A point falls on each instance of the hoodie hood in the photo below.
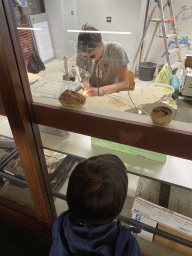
(109, 239)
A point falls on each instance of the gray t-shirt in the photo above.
(113, 57)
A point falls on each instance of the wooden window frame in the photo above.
(17, 105)
(15, 89)
(151, 137)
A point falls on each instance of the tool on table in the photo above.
(87, 71)
(83, 74)
(67, 76)
(78, 88)
(165, 36)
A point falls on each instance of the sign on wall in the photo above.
(42, 36)
(22, 3)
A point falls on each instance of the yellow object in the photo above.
(164, 76)
(131, 80)
(165, 89)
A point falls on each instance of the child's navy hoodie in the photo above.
(110, 239)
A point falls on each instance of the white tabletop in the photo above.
(176, 170)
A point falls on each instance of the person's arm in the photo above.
(122, 85)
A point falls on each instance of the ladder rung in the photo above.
(155, 20)
(169, 20)
(174, 50)
(159, 20)
(169, 35)
(176, 65)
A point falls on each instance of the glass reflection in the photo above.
(13, 186)
(100, 65)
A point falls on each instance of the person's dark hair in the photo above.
(97, 190)
(89, 41)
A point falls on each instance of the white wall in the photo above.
(183, 19)
(60, 19)
(125, 15)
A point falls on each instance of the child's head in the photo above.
(97, 190)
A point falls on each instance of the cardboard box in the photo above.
(163, 216)
(187, 86)
(180, 201)
(188, 61)
(166, 220)
(144, 234)
(179, 248)
(148, 190)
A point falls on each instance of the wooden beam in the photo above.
(16, 98)
(150, 137)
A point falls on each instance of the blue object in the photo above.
(175, 83)
(109, 239)
(22, 3)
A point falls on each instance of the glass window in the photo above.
(155, 166)
(66, 68)
(58, 61)
(13, 186)
(53, 34)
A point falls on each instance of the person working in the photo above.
(96, 193)
(110, 73)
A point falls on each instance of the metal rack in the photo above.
(18, 179)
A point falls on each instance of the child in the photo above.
(96, 193)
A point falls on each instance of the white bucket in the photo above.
(169, 94)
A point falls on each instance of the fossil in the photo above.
(70, 98)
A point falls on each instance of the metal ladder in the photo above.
(165, 36)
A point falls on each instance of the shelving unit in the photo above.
(175, 171)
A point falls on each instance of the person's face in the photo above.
(97, 52)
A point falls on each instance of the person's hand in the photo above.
(92, 91)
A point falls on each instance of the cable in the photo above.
(132, 102)
(137, 106)
(98, 79)
(129, 102)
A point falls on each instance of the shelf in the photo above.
(176, 171)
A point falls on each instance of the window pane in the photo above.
(144, 163)
(53, 34)
(13, 185)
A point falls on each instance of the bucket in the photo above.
(161, 66)
(146, 70)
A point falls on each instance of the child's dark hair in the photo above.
(89, 41)
(97, 190)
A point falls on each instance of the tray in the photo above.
(54, 177)
(51, 88)
(7, 148)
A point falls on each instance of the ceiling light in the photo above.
(29, 28)
(102, 32)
